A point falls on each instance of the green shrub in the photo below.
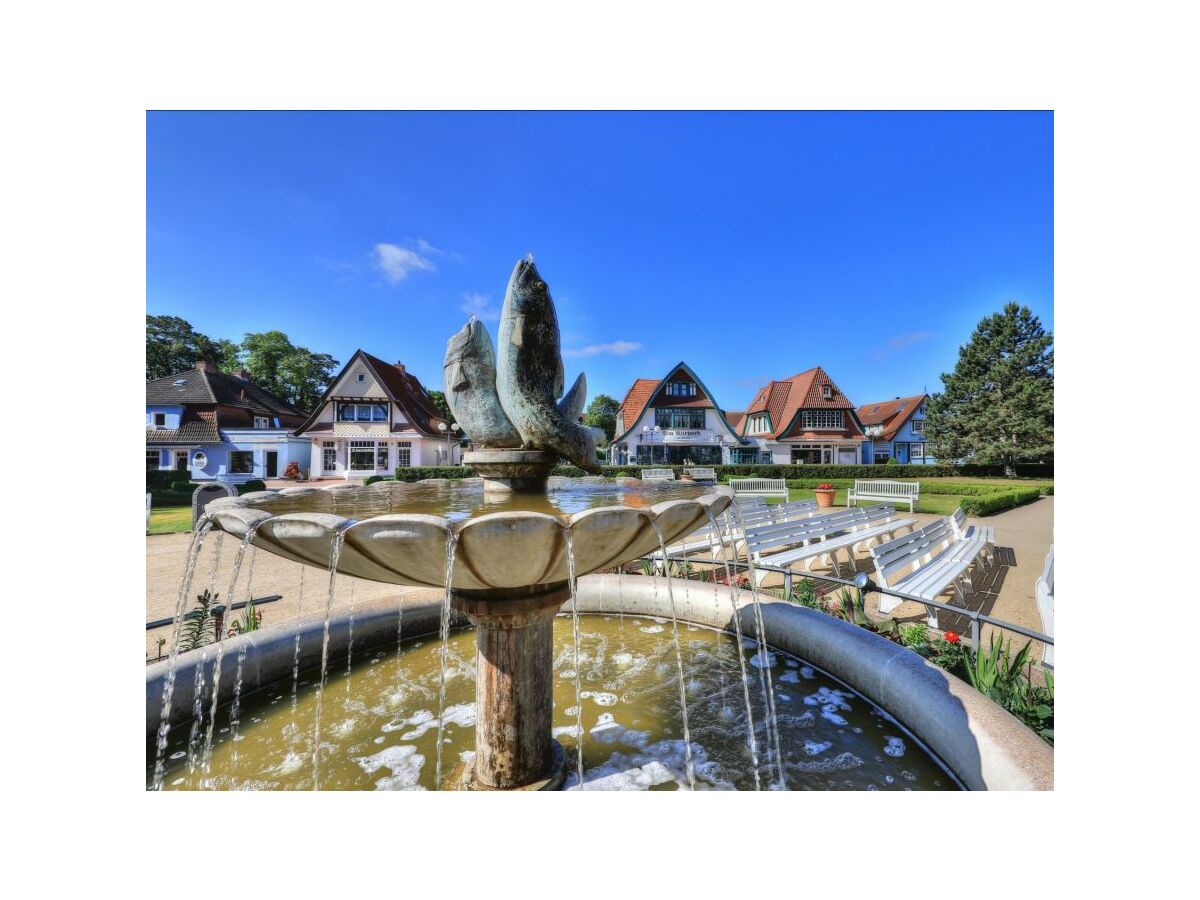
(914, 636)
(420, 473)
(375, 478)
(166, 480)
(805, 593)
(253, 484)
(1001, 500)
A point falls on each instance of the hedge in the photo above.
(252, 485)
(157, 479)
(1000, 500)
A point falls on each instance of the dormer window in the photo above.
(160, 420)
(681, 389)
(827, 391)
(822, 418)
(262, 422)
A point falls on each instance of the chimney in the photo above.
(242, 374)
(205, 366)
(400, 366)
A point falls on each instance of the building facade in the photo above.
(673, 420)
(897, 430)
(376, 418)
(219, 426)
(804, 420)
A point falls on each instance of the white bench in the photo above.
(147, 514)
(886, 491)
(924, 564)
(759, 487)
(702, 474)
(975, 539)
(658, 474)
(1045, 602)
(751, 512)
(821, 537)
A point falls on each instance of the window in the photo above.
(918, 426)
(881, 456)
(381, 455)
(758, 424)
(241, 462)
(361, 378)
(681, 389)
(827, 391)
(262, 422)
(151, 460)
(743, 456)
(679, 418)
(328, 456)
(160, 420)
(403, 454)
(362, 456)
(362, 412)
(921, 408)
(916, 451)
(822, 418)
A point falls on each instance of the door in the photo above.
(847, 456)
(181, 460)
(272, 463)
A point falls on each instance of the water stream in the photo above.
(444, 651)
(578, 661)
(683, 710)
(335, 551)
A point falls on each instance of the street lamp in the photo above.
(654, 435)
(448, 430)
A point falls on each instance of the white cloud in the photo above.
(615, 348)
(900, 341)
(480, 306)
(425, 247)
(395, 263)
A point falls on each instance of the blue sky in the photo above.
(750, 245)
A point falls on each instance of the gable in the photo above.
(349, 384)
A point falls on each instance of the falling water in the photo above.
(185, 587)
(451, 544)
(741, 655)
(216, 674)
(194, 744)
(296, 648)
(335, 551)
(578, 662)
(764, 655)
(350, 643)
(687, 734)
(235, 708)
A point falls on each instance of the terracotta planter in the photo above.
(825, 498)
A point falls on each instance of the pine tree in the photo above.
(998, 403)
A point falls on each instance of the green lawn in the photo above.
(170, 519)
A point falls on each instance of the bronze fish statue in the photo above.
(529, 372)
(469, 378)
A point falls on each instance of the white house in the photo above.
(376, 418)
(673, 421)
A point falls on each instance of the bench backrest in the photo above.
(902, 552)
(958, 521)
(799, 531)
(702, 474)
(772, 486)
(885, 488)
(658, 474)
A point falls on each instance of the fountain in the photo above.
(511, 571)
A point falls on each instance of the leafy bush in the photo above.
(375, 478)
(1007, 679)
(199, 624)
(165, 481)
(251, 620)
(805, 593)
(292, 470)
(253, 484)
(915, 636)
(420, 473)
(998, 501)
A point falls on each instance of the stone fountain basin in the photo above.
(502, 550)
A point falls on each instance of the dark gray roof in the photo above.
(202, 386)
(199, 431)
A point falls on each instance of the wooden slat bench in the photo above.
(821, 537)
(705, 475)
(752, 512)
(658, 474)
(975, 539)
(924, 564)
(759, 487)
(885, 491)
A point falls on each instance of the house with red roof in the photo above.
(805, 420)
(674, 420)
(376, 417)
(897, 429)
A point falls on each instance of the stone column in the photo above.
(514, 687)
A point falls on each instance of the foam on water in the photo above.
(895, 747)
(403, 761)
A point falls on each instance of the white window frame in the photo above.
(159, 419)
(360, 448)
(917, 450)
(403, 454)
(918, 426)
(681, 389)
(157, 460)
(359, 408)
(821, 419)
(827, 391)
(262, 422)
(253, 463)
(361, 378)
(382, 456)
(329, 456)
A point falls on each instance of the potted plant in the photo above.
(825, 492)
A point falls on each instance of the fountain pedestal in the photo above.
(514, 687)
(512, 471)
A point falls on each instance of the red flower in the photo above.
(951, 637)
(826, 486)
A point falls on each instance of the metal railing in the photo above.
(217, 612)
(862, 582)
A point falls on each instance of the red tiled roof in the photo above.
(891, 414)
(804, 390)
(635, 401)
(735, 419)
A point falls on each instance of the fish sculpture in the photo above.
(469, 379)
(529, 373)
